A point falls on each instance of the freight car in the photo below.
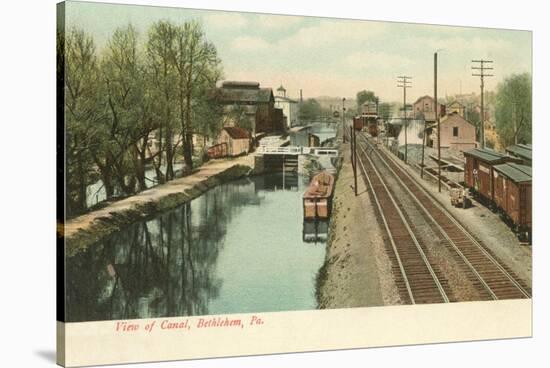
(523, 152)
(358, 123)
(372, 127)
(512, 196)
(479, 172)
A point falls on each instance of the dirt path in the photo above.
(357, 271)
(84, 230)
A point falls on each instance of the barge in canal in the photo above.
(318, 197)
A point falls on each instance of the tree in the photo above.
(310, 110)
(385, 110)
(197, 69)
(365, 96)
(112, 105)
(163, 79)
(80, 71)
(120, 130)
(513, 109)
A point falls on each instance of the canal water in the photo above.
(240, 247)
(323, 130)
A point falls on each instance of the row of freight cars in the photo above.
(503, 182)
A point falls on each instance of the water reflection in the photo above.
(237, 248)
(315, 231)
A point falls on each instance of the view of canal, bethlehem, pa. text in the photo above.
(240, 183)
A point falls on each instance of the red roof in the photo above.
(237, 133)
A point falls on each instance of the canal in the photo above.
(240, 247)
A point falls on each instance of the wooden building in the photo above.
(456, 107)
(237, 140)
(248, 106)
(456, 133)
(424, 108)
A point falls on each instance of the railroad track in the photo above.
(492, 279)
(418, 282)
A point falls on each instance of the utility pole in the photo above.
(480, 69)
(438, 125)
(424, 142)
(343, 120)
(354, 156)
(404, 82)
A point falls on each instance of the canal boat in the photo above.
(318, 197)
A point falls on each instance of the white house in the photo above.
(288, 105)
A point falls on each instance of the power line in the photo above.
(479, 70)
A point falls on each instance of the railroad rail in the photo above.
(492, 279)
(419, 282)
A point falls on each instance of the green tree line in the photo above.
(135, 105)
(513, 109)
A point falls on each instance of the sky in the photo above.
(327, 56)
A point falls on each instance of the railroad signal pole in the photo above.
(404, 82)
(479, 71)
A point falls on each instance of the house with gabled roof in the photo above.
(424, 108)
(456, 133)
(456, 107)
(237, 140)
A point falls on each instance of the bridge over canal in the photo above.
(292, 158)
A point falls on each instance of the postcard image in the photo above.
(234, 183)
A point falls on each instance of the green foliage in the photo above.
(385, 110)
(81, 76)
(198, 69)
(120, 128)
(513, 109)
(310, 110)
(365, 96)
(133, 91)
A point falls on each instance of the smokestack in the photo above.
(301, 98)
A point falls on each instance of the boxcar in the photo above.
(358, 123)
(373, 128)
(479, 173)
(522, 151)
(512, 195)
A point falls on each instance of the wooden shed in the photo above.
(512, 193)
(478, 170)
(237, 140)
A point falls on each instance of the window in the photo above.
(455, 131)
